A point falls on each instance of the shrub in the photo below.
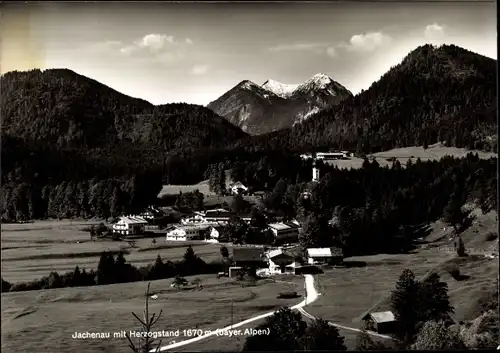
(454, 271)
(287, 295)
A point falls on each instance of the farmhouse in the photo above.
(238, 188)
(151, 213)
(194, 218)
(285, 231)
(249, 256)
(206, 232)
(380, 322)
(324, 255)
(280, 262)
(129, 225)
(218, 215)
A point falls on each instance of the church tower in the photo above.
(315, 173)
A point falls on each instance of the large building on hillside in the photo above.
(205, 232)
(130, 225)
(220, 216)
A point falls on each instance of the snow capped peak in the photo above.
(246, 84)
(280, 89)
(320, 80)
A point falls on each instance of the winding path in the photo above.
(312, 295)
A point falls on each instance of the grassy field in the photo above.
(44, 321)
(30, 251)
(349, 293)
(175, 189)
(434, 152)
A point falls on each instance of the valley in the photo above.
(271, 177)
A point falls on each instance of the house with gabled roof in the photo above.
(285, 231)
(129, 225)
(331, 255)
(380, 322)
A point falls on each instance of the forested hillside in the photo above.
(60, 127)
(63, 132)
(71, 111)
(435, 94)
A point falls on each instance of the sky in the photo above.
(194, 52)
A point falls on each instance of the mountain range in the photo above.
(57, 122)
(436, 94)
(274, 106)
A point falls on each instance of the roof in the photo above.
(132, 220)
(238, 184)
(283, 225)
(248, 254)
(324, 252)
(193, 227)
(380, 317)
(218, 212)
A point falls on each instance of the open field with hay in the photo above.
(44, 321)
(349, 293)
(434, 152)
(30, 251)
(175, 189)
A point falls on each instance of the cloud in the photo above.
(332, 51)
(434, 31)
(317, 47)
(199, 69)
(153, 43)
(366, 42)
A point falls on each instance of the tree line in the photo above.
(85, 199)
(376, 209)
(113, 268)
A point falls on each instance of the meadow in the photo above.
(30, 251)
(434, 152)
(350, 293)
(44, 321)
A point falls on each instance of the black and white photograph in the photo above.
(232, 176)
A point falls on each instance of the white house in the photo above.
(206, 232)
(194, 218)
(238, 188)
(285, 230)
(280, 262)
(128, 225)
(324, 255)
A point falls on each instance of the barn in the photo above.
(380, 322)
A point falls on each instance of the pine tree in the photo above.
(435, 302)
(105, 269)
(404, 304)
(320, 336)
